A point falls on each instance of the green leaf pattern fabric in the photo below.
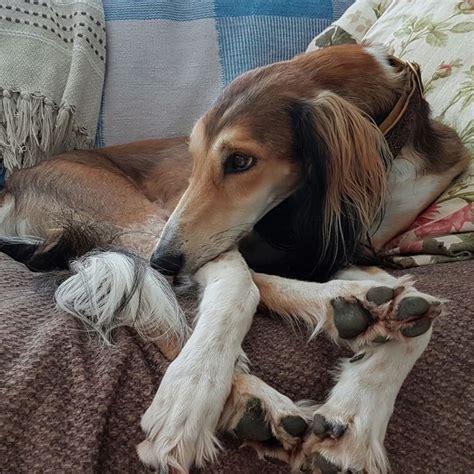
(439, 36)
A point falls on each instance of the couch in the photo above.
(70, 405)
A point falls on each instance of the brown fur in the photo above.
(356, 146)
(127, 187)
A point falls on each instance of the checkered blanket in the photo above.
(169, 59)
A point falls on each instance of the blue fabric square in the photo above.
(175, 10)
(282, 8)
(246, 42)
(254, 33)
(339, 7)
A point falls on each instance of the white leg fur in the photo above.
(362, 400)
(182, 419)
(356, 273)
(112, 289)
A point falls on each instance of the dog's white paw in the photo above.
(265, 419)
(343, 440)
(180, 425)
(349, 429)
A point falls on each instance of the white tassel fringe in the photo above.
(32, 128)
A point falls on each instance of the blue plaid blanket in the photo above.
(169, 59)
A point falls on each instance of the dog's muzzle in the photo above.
(167, 263)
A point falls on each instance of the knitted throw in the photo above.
(52, 66)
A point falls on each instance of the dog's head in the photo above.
(294, 142)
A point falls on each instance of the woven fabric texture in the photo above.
(69, 405)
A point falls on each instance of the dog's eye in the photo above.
(238, 162)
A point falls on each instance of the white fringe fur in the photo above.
(112, 289)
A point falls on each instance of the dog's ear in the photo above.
(343, 160)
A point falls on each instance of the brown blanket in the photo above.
(69, 405)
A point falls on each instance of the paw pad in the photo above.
(350, 319)
(380, 295)
(252, 426)
(411, 307)
(419, 327)
(294, 425)
(322, 428)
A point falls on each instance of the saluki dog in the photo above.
(307, 166)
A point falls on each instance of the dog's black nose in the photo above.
(169, 264)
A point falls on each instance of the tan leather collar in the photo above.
(396, 125)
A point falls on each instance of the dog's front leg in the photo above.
(363, 309)
(388, 323)
(183, 417)
(349, 428)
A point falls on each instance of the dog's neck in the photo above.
(397, 125)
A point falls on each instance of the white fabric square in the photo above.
(147, 60)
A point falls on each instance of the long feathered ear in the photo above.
(344, 158)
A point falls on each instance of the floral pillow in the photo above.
(438, 35)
